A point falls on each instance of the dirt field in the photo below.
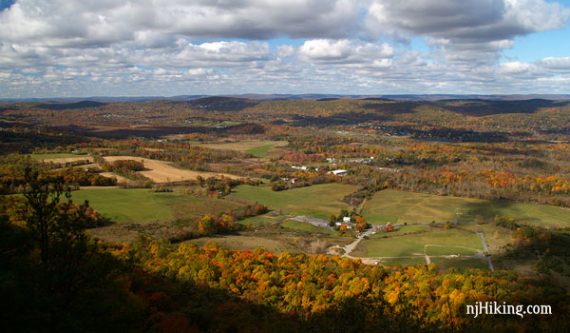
(165, 172)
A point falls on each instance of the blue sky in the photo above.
(554, 43)
(537, 46)
(5, 4)
(51, 48)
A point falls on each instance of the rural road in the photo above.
(350, 247)
(486, 251)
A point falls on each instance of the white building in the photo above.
(339, 172)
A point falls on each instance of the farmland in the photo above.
(257, 148)
(142, 206)
(165, 172)
(441, 242)
(408, 207)
(439, 186)
(277, 232)
(319, 200)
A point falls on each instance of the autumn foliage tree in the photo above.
(361, 223)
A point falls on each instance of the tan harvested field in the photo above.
(165, 172)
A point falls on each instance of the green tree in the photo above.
(56, 226)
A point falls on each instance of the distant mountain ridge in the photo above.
(262, 97)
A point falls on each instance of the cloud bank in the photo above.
(169, 47)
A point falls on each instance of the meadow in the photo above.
(257, 148)
(440, 242)
(142, 206)
(317, 200)
(419, 208)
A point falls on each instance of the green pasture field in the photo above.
(306, 227)
(257, 148)
(317, 200)
(437, 242)
(259, 221)
(260, 151)
(142, 206)
(413, 208)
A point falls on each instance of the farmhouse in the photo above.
(339, 172)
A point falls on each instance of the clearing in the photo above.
(317, 200)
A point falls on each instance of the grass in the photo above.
(317, 200)
(404, 230)
(439, 242)
(399, 207)
(305, 227)
(257, 148)
(460, 263)
(404, 261)
(259, 221)
(143, 206)
(128, 205)
(246, 242)
(260, 151)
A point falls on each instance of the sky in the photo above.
(78, 48)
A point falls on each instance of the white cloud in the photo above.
(469, 31)
(515, 67)
(322, 49)
(77, 22)
(466, 21)
(199, 71)
(556, 63)
(344, 50)
(224, 46)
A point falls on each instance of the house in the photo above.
(346, 219)
(339, 172)
(303, 167)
